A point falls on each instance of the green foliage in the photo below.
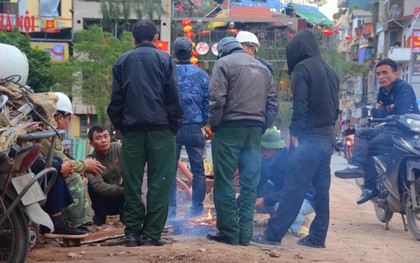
(39, 61)
(95, 53)
(345, 68)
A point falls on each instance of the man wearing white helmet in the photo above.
(250, 44)
(77, 214)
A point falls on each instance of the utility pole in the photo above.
(165, 23)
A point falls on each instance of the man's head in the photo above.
(99, 139)
(249, 42)
(182, 48)
(64, 111)
(271, 143)
(144, 31)
(386, 72)
(227, 45)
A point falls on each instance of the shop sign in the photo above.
(416, 40)
(24, 23)
(202, 48)
(416, 64)
(214, 50)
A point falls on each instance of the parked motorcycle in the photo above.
(400, 188)
(21, 194)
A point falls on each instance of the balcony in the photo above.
(400, 54)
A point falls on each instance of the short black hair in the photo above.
(144, 30)
(389, 62)
(98, 129)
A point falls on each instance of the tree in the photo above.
(344, 68)
(40, 62)
(95, 53)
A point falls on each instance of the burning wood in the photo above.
(207, 220)
(191, 226)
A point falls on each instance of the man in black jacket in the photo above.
(145, 107)
(315, 109)
(395, 97)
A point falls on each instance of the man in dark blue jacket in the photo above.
(145, 107)
(395, 97)
(193, 85)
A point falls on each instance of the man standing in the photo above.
(315, 109)
(395, 97)
(145, 108)
(243, 103)
(193, 85)
(105, 190)
(250, 44)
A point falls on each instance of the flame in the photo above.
(207, 220)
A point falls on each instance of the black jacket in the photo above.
(315, 88)
(145, 91)
(401, 95)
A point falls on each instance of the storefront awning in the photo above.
(311, 14)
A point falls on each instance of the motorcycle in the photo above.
(399, 189)
(349, 146)
(21, 194)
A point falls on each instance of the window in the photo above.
(10, 6)
(49, 8)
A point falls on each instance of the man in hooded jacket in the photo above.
(315, 109)
(243, 103)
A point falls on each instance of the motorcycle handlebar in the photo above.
(39, 135)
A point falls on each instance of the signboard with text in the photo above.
(415, 45)
(416, 64)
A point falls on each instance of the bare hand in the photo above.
(259, 203)
(67, 169)
(295, 141)
(379, 105)
(94, 166)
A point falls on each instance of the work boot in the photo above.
(350, 172)
(132, 240)
(366, 195)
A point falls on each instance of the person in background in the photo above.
(145, 108)
(395, 97)
(105, 190)
(76, 214)
(250, 44)
(193, 84)
(243, 104)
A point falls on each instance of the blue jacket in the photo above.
(193, 84)
(401, 95)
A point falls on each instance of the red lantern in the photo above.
(190, 35)
(233, 31)
(186, 22)
(349, 38)
(187, 29)
(327, 32)
(194, 53)
(204, 32)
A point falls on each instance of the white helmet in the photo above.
(63, 103)
(247, 38)
(14, 62)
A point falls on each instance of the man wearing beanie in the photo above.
(193, 84)
(273, 173)
(243, 104)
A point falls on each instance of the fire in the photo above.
(207, 220)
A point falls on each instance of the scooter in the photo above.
(400, 188)
(349, 146)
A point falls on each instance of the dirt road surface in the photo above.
(355, 235)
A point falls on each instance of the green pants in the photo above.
(157, 149)
(233, 148)
(78, 212)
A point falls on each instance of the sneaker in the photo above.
(350, 172)
(366, 195)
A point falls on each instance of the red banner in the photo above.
(415, 46)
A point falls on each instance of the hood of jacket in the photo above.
(227, 46)
(302, 46)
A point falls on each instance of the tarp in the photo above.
(311, 14)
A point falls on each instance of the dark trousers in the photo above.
(192, 137)
(309, 163)
(105, 205)
(58, 197)
(371, 142)
(233, 148)
(157, 149)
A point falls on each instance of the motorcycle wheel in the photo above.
(413, 217)
(14, 236)
(382, 215)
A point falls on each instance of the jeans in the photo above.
(370, 142)
(105, 205)
(191, 136)
(316, 155)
